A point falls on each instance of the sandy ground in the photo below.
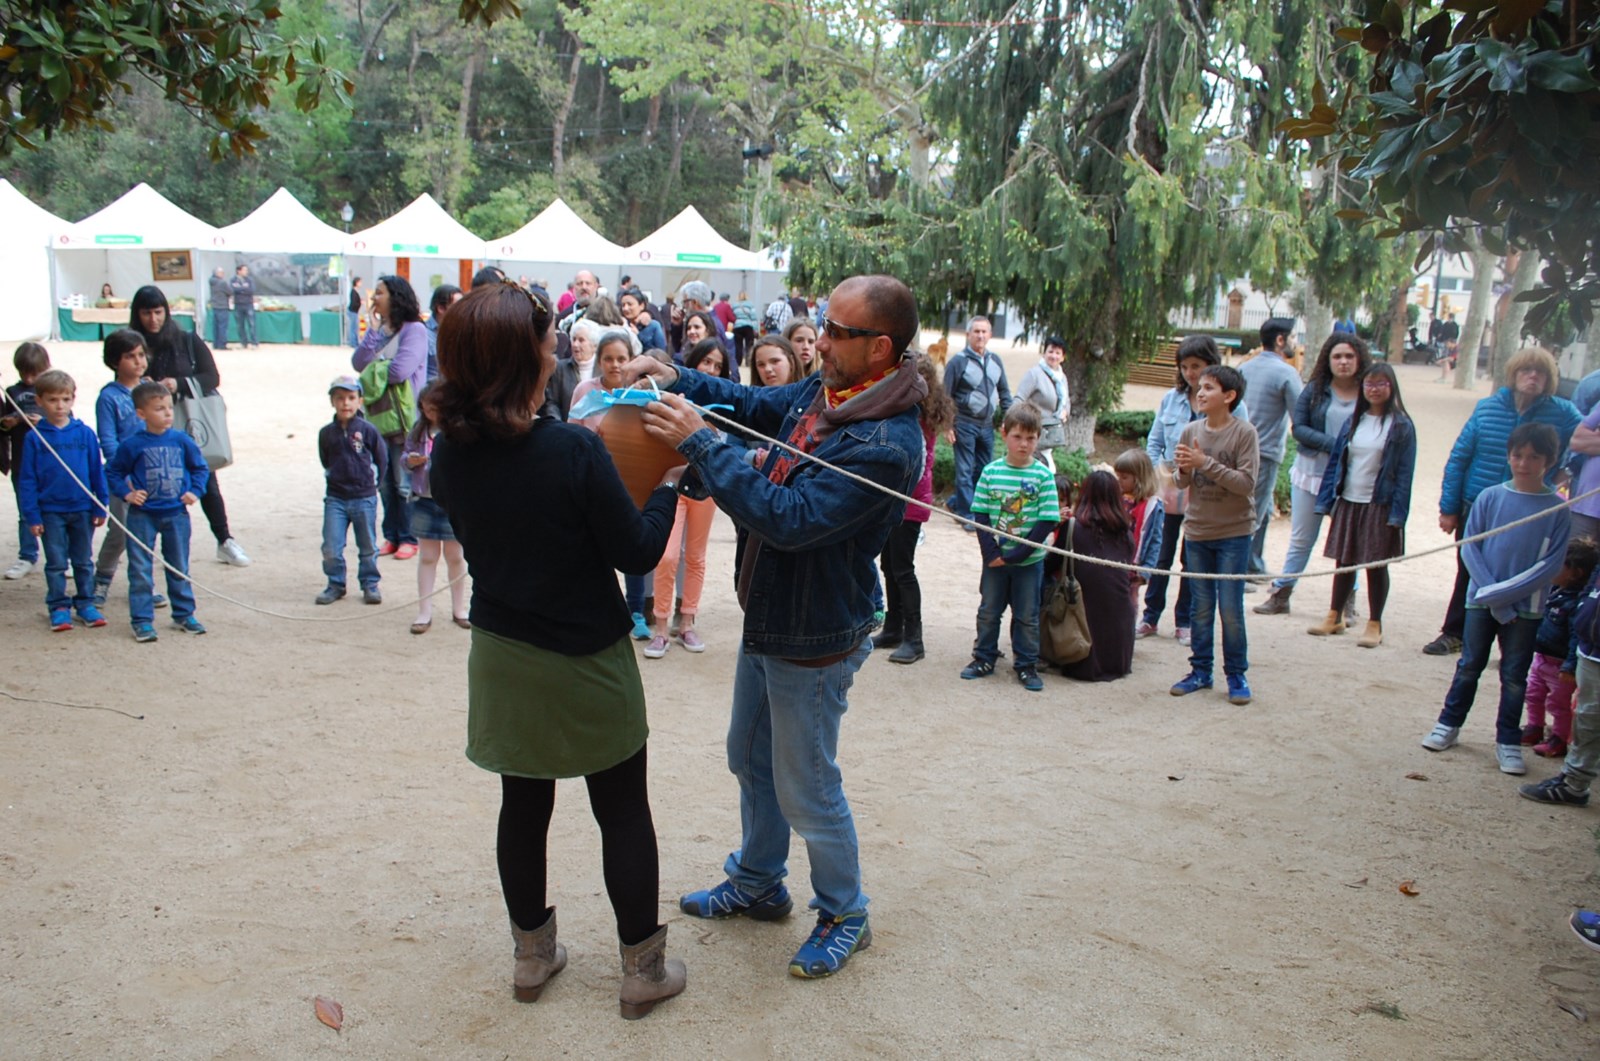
(1098, 871)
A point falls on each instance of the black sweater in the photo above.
(179, 354)
(546, 524)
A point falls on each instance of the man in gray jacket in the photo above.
(1272, 386)
(221, 295)
(975, 379)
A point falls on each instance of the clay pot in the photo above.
(640, 459)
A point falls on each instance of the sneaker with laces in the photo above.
(691, 640)
(1443, 645)
(1192, 682)
(830, 945)
(1586, 923)
(1510, 758)
(657, 647)
(1182, 635)
(60, 620)
(101, 591)
(22, 569)
(1238, 689)
(144, 632)
(641, 627)
(1144, 630)
(230, 552)
(189, 625)
(91, 616)
(1555, 790)
(1030, 679)
(1441, 737)
(1552, 747)
(330, 594)
(729, 900)
(978, 668)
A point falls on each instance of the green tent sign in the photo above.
(416, 248)
(118, 241)
(701, 259)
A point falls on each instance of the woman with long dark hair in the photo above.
(397, 333)
(553, 687)
(1101, 529)
(176, 357)
(697, 326)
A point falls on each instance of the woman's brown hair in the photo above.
(492, 368)
(937, 410)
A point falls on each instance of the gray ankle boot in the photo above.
(910, 649)
(648, 976)
(538, 956)
(1277, 604)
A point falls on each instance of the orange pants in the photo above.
(692, 527)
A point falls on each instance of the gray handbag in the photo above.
(204, 418)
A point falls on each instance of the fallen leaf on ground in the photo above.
(1409, 887)
(1383, 1009)
(1416, 777)
(1573, 1008)
(330, 1012)
(1174, 777)
(1362, 883)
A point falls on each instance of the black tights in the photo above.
(1377, 591)
(620, 801)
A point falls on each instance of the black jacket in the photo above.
(354, 458)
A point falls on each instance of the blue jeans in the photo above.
(1155, 594)
(783, 742)
(973, 449)
(1516, 656)
(173, 529)
(68, 540)
(1266, 482)
(396, 494)
(1224, 556)
(245, 321)
(219, 328)
(339, 517)
(1020, 588)
(353, 322)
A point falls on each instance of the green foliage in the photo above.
(1074, 464)
(1133, 424)
(62, 65)
(1282, 489)
(1482, 114)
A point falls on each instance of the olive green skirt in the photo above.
(536, 713)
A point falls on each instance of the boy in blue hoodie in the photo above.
(114, 420)
(159, 472)
(1509, 573)
(354, 460)
(56, 506)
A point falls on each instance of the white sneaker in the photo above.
(229, 552)
(22, 568)
(1510, 756)
(1441, 737)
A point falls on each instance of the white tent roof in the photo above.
(689, 240)
(421, 230)
(142, 218)
(27, 312)
(24, 221)
(558, 234)
(281, 225)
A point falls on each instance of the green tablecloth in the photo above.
(327, 329)
(276, 327)
(74, 332)
(270, 327)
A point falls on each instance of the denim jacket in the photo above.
(1393, 487)
(1174, 414)
(810, 595)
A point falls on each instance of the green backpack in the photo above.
(391, 407)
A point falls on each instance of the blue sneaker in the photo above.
(728, 900)
(91, 616)
(830, 945)
(190, 625)
(144, 632)
(1586, 923)
(1238, 689)
(1193, 682)
(61, 619)
(157, 601)
(641, 627)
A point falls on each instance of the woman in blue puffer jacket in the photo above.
(1478, 460)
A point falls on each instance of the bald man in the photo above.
(807, 540)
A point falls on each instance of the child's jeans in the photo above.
(1155, 594)
(1547, 692)
(68, 540)
(173, 530)
(1479, 634)
(1583, 750)
(27, 544)
(1019, 588)
(339, 517)
(1207, 596)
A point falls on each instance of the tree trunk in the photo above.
(1398, 324)
(558, 133)
(1319, 325)
(675, 166)
(1483, 263)
(758, 207)
(921, 155)
(457, 169)
(1508, 333)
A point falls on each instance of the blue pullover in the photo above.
(43, 485)
(164, 466)
(1511, 570)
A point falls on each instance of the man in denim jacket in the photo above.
(808, 537)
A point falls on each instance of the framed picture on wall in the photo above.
(171, 265)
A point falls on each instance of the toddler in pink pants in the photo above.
(1551, 680)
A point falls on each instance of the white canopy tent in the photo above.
(281, 233)
(116, 245)
(27, 311)
(281, 225)
(688, 248)
(434, 241)
(555, 244)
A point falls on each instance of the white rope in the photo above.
(1139, 568)
(247, 606)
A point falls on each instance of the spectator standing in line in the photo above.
(244, 306)
(1274, 387)
(975, 379)
(221, 298)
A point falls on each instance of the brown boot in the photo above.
(648, 976)
(1372, 637)
(1277, 604)
(539, 957)
(1333, 624)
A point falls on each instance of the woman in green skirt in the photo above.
(552, 685)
